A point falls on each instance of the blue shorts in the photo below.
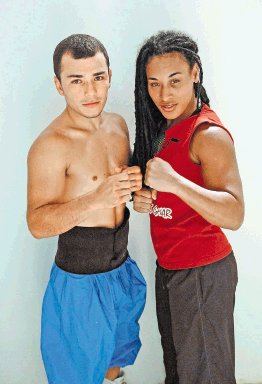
(90, 323)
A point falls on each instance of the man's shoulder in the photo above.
(115, 121)
(113, 116)
(51, 141)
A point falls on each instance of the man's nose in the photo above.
(89, 88)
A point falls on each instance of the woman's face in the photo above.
(170, 85)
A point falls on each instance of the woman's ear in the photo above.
(195, 73)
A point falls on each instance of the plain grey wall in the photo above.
(227, 33)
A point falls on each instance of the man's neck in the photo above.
(78, 121)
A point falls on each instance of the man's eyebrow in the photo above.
(171, 75)
(99, 73)
(81, 76)
(78, 76)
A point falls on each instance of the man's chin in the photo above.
(93, 116)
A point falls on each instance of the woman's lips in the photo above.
(168, 107)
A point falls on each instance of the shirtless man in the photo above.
(78, 184)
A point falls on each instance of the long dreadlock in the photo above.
(148, 118)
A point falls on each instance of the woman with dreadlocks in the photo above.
(193, 189)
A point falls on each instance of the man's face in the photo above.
(84, 84)
(170, 85)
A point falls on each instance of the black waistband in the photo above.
(88, 250)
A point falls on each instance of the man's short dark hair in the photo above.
(80, 46)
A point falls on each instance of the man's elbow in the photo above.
(34, 232)
(34, 227)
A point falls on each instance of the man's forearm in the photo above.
(53, 219)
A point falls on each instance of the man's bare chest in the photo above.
(90, 162)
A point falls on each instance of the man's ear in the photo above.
(58, 86)
(110, 76)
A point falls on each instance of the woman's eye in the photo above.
(175, 81)
(154, 84)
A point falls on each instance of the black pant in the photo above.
(195, 319)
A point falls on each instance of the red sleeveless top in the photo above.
(181, 237)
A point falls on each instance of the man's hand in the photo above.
(116, 189)
(160, 175)
(135, 177)
(143, 200)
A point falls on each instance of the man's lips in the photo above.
(91, 104)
